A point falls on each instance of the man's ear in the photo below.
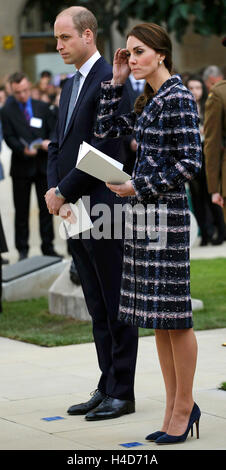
(88, 35)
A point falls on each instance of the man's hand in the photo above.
(53, 202)
(30, 152)
(218, 199)
(45, 144)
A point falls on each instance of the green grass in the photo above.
(30, 321)
(223, 386)
(208, 283)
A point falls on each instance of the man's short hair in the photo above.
(83, 19)
(17, 77)
(212, 71)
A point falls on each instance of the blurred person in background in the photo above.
(208, 215)
(25, 120)
(215, 146)
(211, 75)
(3, 97)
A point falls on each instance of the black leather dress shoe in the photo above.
(74, 277)
(218, 240)
(22, 255)
(111, 408)
(83, 408)
(51, 252)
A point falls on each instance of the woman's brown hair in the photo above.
(155, 37)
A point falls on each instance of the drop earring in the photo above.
(160, 62)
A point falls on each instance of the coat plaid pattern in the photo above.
(155, 290)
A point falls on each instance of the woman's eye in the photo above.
(139, 51)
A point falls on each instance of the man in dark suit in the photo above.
(24, 120)
(99, 262)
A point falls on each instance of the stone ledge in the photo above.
(65, 298)
(30, 278)
(197, 304)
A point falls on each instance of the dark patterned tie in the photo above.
(74, 94)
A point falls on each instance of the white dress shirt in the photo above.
(85, 69)
(134, 83)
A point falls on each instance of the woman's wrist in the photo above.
(114, 81)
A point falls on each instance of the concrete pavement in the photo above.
(38, 382)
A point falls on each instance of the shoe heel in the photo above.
(192, 430)
(197, 428)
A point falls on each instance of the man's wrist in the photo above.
(58, 193)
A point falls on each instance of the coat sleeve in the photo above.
(109, 123)
(10, 136)
(213, 140)
(53, 149)
(183, 158)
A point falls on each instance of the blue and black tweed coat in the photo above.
(155, 290)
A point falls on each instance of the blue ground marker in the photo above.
(132, 444)
(52, 418)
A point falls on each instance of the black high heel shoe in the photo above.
(194, 419)
(154, 435)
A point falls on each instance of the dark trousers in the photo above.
(99, 265)
(21, 197)
(208, 215)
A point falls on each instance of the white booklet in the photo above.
(98, 164)
(75, 219)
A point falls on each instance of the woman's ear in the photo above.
(161, 59)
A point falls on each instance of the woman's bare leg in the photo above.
(166, 360)
(184, 349)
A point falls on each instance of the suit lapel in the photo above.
(64, 108)
(82, 93)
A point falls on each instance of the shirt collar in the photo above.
(86, 67)
(133, 80)
(27, 105)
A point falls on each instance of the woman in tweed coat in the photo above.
(155, 291)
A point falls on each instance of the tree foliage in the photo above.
(104, 10)
(206, 17)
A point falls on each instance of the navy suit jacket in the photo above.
(63, 149)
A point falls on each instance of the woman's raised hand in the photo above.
(121, 69)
